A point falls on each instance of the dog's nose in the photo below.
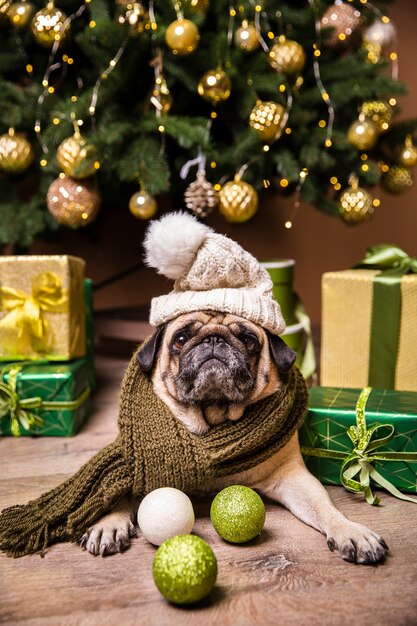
(214, 340)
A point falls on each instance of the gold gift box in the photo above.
(42, 308)
(346, 329)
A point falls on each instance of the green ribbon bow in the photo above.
(393, 264)
(357, 468)
(18, 410)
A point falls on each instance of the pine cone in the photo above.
(200, 196)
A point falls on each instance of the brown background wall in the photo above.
(317, 242)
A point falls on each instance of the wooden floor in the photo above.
(286, 577)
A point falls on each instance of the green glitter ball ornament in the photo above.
(237, 514)
(184, 569)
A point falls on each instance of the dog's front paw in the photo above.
(357, 544)
(107, 537)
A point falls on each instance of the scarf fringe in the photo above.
(64, 513)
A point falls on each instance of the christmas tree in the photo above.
(129, 100)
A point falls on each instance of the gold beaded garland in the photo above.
(214, 86)
(73, 203)
(408, 153)
(344, 20)
(161, 97)
(397, 179)
(355, 204)
(266, 119)
(16, 153)
(246, 37)
(287, 56)
(76, 157)
(238, 201)
(20, 13)
(134, 15)
(142, 205)
(379, 112)
(182, 37)
(363, 133)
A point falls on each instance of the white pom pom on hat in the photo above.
(171, 243)
(211, 273)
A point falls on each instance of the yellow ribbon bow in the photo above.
(25, 319)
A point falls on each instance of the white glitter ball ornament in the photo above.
(164, 513)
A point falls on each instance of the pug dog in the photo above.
(207, 367)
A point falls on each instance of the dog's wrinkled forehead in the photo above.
(203, 323)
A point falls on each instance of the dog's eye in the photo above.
(180, 340)
(250, 341)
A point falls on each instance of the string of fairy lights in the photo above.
(236, 199)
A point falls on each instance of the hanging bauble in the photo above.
(215, 86)
(20, 13)
(246, 37)
(355, 204)
(161, 97)
(380, 33)
(142, 205)
(379, 112)
(363, 133)
(238, 201)
(73, 203)
(4, 10)
(76, 157)
(398, 179)
(16, 153)
(182, 37)
(134, 15)
(287, 56)
(343, 19)
(200, 196)
(196, 6)
(48, 26)
(408, 153)
(266, 119)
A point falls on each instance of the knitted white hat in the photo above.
(211, 273)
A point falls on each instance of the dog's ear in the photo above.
(146, 356)
(283, 356)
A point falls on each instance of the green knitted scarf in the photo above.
(153, 449)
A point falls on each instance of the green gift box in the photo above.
(360, 438)
(89, 330)
(50, 399)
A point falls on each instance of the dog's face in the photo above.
(209, 366)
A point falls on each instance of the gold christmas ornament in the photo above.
(355, 204)
(398, 179)
(134, 15)
(197, 6)
(20, 13)
(363, 133)
(215, 86)
(380, 33)
(379, 112)
(143, 205)
(73, 203)
(246, 37)
(408, 153)
(182, 37)
(16, 153)
(48, 26)
(76, 157)
(287, 56)
(266, 119)
(343, 19)
(238, 201)
(200, 196)
(161, 97)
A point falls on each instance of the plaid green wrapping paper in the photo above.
(44, 398)
(371, 432)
